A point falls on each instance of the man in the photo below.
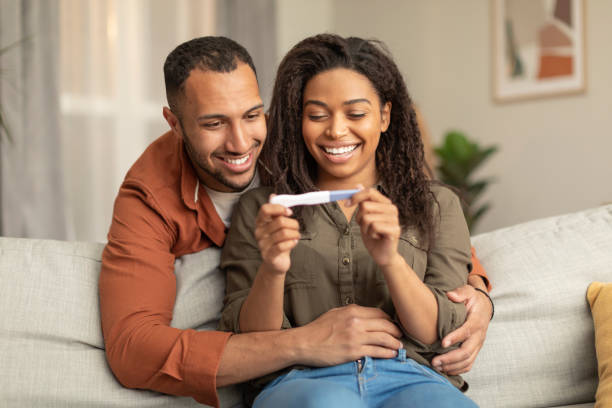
(176, 200)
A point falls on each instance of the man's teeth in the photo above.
(237, 161)
(339, 150)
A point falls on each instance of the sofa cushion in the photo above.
(51, 345)
(599, 296)
(540, 346)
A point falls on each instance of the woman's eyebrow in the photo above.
(349, 102)
(315, 102)
(359, 100)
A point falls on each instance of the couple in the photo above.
(340, 117)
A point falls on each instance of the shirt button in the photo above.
(346, 260)
(347, 230)
(348, 300)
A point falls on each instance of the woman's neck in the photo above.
(345, 183)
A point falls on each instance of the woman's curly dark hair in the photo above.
(285, 161)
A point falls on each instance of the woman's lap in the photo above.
(399, 382)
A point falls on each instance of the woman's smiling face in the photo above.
(341, 125)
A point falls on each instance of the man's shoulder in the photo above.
(159, 166)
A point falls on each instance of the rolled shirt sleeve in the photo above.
(448, 263)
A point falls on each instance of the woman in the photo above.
(341, 118)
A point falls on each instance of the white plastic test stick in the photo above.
(316, 197)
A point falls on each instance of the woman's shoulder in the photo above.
(255, 197)
(443, 192)
(445, 197)
(248, 205)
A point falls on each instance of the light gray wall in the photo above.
(297, 19)
(554, 153)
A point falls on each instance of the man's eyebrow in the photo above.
(259, 106)
(211, 116)
(221, 116)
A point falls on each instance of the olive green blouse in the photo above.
(330, 267)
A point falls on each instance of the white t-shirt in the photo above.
(224, 202)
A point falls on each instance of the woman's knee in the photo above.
(430, 395)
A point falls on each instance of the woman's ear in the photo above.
(385, 117)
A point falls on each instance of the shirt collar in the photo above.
(196, 199)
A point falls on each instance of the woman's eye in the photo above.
(253, 115)
(316, 117)
(356, 115)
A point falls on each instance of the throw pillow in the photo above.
(599, 296)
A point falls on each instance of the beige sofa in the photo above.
(539, 351)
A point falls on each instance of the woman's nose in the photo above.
(337, 128)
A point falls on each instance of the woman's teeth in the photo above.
(339, 150)
(237, 161)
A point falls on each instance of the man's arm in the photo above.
(137, 289)
(338, 336)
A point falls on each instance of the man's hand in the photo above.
(337, 336)
(348, 333)
(472, 333)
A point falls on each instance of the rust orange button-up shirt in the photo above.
(157, 219)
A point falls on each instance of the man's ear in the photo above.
(385, 117)
(172, 120)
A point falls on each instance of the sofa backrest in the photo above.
(540, 346)
(51, 345)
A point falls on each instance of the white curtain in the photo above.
(93, 92)
(112, 93)
(32, 193)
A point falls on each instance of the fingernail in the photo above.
(289, 212)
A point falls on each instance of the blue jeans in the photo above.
(384, 383)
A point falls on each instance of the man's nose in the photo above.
(238, 140)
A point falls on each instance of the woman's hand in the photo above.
(379, 223)
(276, 235)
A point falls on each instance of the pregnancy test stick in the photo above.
(316, 197)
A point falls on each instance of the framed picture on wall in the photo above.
(538, 48)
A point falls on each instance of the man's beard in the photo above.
(214, 173)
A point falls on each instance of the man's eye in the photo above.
(212, 125)
(253, 115)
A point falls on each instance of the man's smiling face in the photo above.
(223, 126)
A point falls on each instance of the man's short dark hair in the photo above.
(218, 54)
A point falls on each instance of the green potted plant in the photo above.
(458, 158)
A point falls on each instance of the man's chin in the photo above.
(236, 183)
